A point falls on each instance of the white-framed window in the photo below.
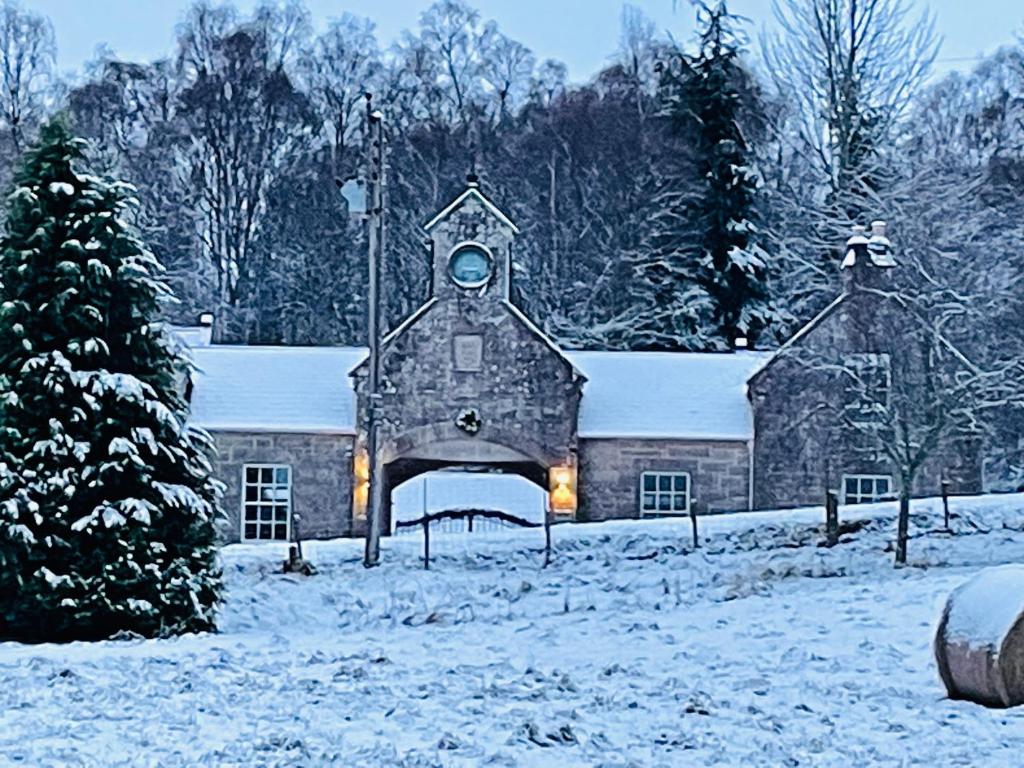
(664, 493)
(266, 502)
(860, 489)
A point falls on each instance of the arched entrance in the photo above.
(468, 379)
(459, 490)
(463, 454)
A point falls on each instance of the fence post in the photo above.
(693, 524)
(945, 504)
(426, 545)
(297, 534)
(831, 518)
(470, 523)
(547, 536)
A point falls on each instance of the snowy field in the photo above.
(761, 648)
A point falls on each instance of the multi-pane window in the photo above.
(858, 489)
(664, 493)
(266, 502)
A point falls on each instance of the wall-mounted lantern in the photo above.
(562, 489)
(360, 483)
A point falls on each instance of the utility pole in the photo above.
(375, 181)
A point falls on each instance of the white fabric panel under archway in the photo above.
(454, 490)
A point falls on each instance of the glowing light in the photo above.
(562, 489)
(361, 486)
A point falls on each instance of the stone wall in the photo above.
(525, 394)
(609, 474)
(469, 350)
(321, 477)
(801, 447)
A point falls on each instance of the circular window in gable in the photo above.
(470, 265)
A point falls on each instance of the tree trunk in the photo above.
(903, 527)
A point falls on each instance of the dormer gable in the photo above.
(471, 242)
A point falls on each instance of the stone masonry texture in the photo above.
(610, 474)
(321, 477)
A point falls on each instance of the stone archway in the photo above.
(468, 379)
(434, 448)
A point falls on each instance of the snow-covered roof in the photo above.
(275, 389)
(697, 396)
(689, 395)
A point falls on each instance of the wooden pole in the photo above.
(831, 518)
(945, 504)
(375, 501)
(547, 536)
(903, 526)
(297, 534)
(693, 524)
(426, 545)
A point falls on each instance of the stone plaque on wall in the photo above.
(469, 352)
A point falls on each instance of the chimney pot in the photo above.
(879, 247)
(206, 319)
(856, 245)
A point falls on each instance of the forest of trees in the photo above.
(237, 141)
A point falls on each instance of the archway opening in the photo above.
(468, 487)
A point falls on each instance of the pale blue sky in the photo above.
(582, 33)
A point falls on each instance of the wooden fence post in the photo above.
(547, 537)
(831, 518)
(693, 524)
(945, 504)
(426, 545)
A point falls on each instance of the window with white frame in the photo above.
(664, 493)
(266, 502)
(860, 489)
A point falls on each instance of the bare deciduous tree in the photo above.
(28, 54)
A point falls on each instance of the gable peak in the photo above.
(472, 190)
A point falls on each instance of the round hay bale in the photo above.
(979, 645)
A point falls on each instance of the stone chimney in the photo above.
(205, 335)
(868, 257)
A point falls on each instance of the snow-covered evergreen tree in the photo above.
(707, 96)
(107, 503)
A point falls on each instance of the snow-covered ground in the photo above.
(761, 648)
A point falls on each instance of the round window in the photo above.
(470, 266)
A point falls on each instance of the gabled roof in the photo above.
(471, 191)
(652, 395)
(795, 339)
(275, 389)
(540, 335)
(681, 395)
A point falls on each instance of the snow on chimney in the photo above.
(856, 247)
(879, 246)
(205, 329)
(864, 250)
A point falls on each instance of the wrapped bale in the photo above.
(979, 645)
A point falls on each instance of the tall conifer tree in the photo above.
(107, 504)
(708, 96)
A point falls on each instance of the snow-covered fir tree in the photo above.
(708, 95)
(107, 504)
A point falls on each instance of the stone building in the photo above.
(859, 349)
(469, 382)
